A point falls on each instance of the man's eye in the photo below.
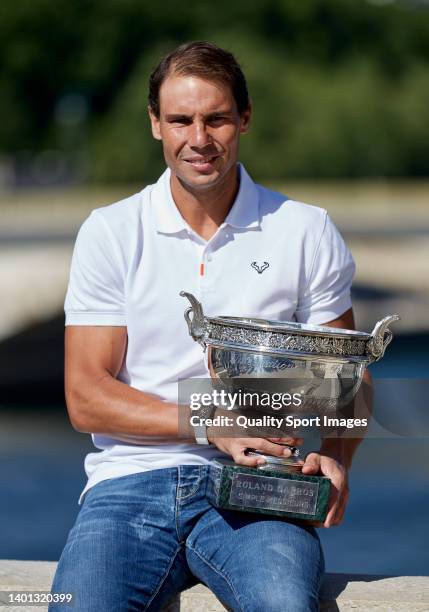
(177, 122)
(217, 120)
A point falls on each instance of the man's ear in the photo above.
(155, 124)
(245, 119)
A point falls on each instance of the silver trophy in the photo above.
(325, 365)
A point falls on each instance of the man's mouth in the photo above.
(200, 161)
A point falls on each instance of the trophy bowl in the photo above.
(323, 364)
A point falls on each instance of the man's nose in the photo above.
(199, 136)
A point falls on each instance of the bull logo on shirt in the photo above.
(260, 269)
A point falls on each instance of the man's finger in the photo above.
(248, 461)
(335, 514)
(271, 448)
(311, 464)
(330, 520)
(240, 458)
(341, 507)
(337, 504)
(289, 441)
(333, 505)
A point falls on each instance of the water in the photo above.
(41, 476)
(385, 531)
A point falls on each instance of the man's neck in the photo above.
(205, 210)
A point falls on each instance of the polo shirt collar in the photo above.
(168, 219)
(245, 210)
(243, 214)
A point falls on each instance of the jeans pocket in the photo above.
(190, 481)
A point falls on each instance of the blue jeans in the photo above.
(140, 539)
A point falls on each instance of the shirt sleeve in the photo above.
(95, 294)
(327, 293)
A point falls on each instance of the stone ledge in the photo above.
(340, 592)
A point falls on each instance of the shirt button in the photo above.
(209, 257)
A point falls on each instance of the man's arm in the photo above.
(99, 403)
(334, 459)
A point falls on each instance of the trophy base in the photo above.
(275, 492)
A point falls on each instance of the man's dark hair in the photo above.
(204, 60)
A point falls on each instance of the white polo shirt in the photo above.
(272, 257)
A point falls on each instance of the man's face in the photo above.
(200, 128)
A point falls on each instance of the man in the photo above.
(145, 530)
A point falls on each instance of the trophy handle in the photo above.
(196, 324)
(381, 337)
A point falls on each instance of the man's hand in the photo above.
(316, 463)
(232, 440)
(236, 447)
